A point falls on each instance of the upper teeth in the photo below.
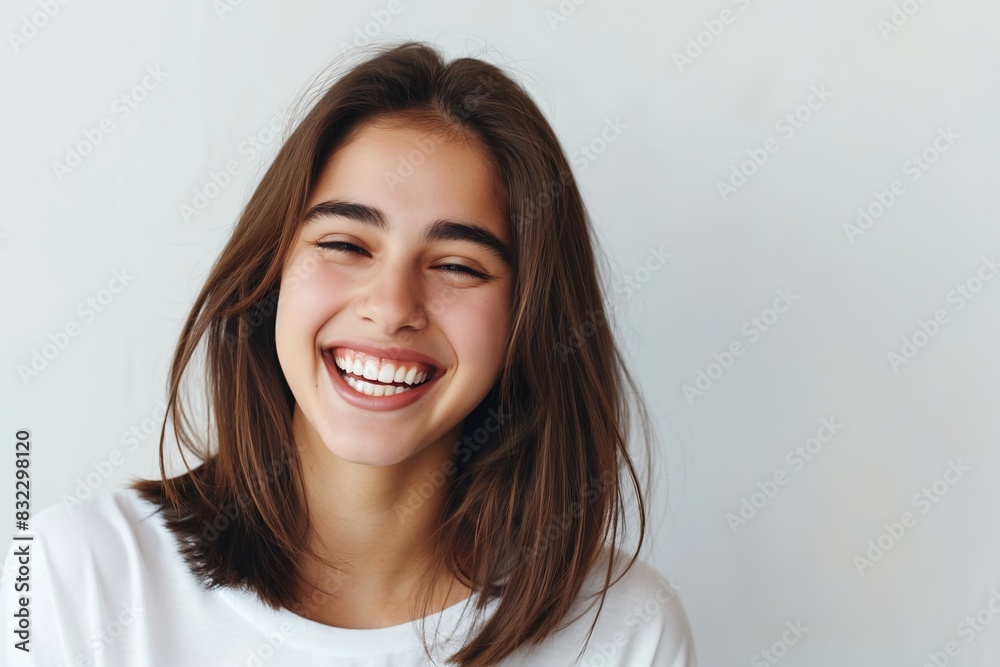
(372, 369)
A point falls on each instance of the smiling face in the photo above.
(397, 272)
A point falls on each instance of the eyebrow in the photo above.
(439, 230)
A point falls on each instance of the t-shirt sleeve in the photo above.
(642, 623)
(75, 569)
(663, 632)
(674, 645)
(645, 624)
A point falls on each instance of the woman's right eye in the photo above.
(342, 246)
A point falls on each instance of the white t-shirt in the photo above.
(108, 588)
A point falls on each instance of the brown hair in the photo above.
(530, 504)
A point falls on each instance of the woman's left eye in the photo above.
(462, 269)
(352, 249)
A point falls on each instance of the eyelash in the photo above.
(355, 250)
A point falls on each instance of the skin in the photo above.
(360, 467)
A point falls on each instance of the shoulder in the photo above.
(102, 539)
(80, 567)
(119, 511)
(642, 622)
(643, 614)
(99, 529)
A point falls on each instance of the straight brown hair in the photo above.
(532, 503)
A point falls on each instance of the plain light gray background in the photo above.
(892, 79)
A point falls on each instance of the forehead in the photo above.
(414, 171)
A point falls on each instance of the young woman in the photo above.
(416, 444)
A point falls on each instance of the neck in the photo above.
(370, 521)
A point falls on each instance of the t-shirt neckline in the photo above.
(442, 628)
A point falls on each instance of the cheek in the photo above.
(478, 330)
(306, 300)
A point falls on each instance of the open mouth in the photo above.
(375, 376)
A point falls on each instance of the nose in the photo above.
(392, 300)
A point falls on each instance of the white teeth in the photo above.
(374, 389)
(388, 372)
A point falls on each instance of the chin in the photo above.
(367, 451)
(378, 459)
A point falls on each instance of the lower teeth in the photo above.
(370, 389)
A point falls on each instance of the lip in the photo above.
(378, 403)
